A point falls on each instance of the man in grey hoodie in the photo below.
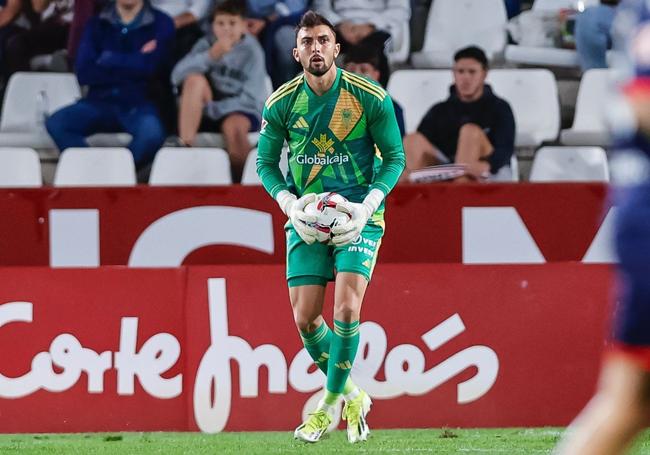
(223, 82)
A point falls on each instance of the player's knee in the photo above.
(347, 311)
(305, 323)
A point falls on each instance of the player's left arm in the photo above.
(385, 133)
(384, 130)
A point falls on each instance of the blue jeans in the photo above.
(513, 7)
(70, 126)
(592, 35)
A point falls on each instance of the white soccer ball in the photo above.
(324, 207)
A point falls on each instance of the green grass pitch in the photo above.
(511, 441)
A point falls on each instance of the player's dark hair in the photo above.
(362, 54)
(232, 7)
(312, 19)
(473, 52)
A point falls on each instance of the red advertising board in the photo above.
(157, 226)
(216, 347)
(78, 350)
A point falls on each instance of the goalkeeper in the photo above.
(343, 137)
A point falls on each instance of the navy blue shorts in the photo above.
(209, 125)
(632, 237)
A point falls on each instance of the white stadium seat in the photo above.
(507, 173)
(19, 167)
(399, 45)
(190, 166)
(575, 164)
(216, 140)
(533, 97)
(21, 124)
(532, 94)
(557, 5)
(548, 56)
(250, 177)
(589, 127)
(454, 24)
(95, 166)
(417, 90)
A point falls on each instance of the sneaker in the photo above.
(314, 427)
(355, 412)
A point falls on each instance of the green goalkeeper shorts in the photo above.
(316, 263)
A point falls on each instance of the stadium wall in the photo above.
(166, 227)
(213, 348)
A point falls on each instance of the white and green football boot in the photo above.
(355, 412)
(312, 429)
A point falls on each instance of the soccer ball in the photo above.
(324, 207)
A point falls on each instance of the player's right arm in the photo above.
(269, 149)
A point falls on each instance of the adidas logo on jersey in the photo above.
(301, 124)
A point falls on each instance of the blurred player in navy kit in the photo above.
(621, 407)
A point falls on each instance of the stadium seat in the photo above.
(532, 94)
(556, 5)
(589, 126)
(19, 167)
(575, 164)
(548, 56)
(95, 166)
(399, 45)
(190, 166)
(507, 173)
(250, 177)
(454, 24)
(19, 125)
(417, 91)
(109, 140)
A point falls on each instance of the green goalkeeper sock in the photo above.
(317, 344)
(343, 349)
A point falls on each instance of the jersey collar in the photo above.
(332, 89)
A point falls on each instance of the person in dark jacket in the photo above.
(119, 55)
(473, 126)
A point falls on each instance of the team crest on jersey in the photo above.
(346, 118)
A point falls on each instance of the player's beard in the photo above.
(321, 70)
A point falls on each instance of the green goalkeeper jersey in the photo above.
(346, 140)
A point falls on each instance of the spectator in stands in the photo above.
(12, 22)
(593, 34)
(368, 23)
(223, 77)
(472, 127)
(365, 61)
(189, 19)
(83, 10)
(119, 53)
(187, 16)
(46, 36)
(274, 24)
